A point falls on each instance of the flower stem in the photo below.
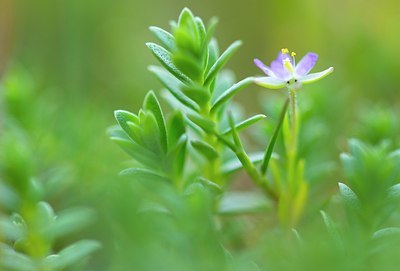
(292, 148)
(293, 121)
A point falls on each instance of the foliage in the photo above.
(205, 183)
(31, 232)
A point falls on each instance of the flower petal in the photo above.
(263, 67)
(280, 71)
(270, 82)
(282, 56)
(315, 76)
(306, 64)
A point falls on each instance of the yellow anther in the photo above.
(293, 54)
(284, 51)
(288, 65)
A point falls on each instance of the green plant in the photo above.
(32, 234)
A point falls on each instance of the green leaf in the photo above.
(166, 38)
(197, 93)
(357, 148)
(243, 203)
(331, 228)
(8, 197)
(270, 148)
(165, 58)
(12, 260)
(230, 92)
(187, 25)
(174, 86)
(186, 43)
(123, 117)
(246, 123)
(384, 239)
(186, 18)
(297, 236)
(224, 80)
(205, 149)
(201, 28)
(394, 193)
(350, 198)
(206, 36)
(45, 214)
(139, 153)
(72, 254)
(176, 156)
(387, 232)
(213, 54)
(205, 124)
(151, 103)
(234, 164)
(176, 128)
(136, 133)
(194, 189)
(11, 230)
(348, 162)
(221, 61)
(143, 174)
(210, 185)
(189, 66)
(235, 135)
(116, 131)
(151, 134)
(70, 221)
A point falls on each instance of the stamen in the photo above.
(293, 54)
(288, 65)
(285, 51)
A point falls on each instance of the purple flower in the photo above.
(285, 72)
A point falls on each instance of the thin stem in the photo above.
(292, 148)
(293, 120)
(247, 164)
(227, 143)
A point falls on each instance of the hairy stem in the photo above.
(292, 148)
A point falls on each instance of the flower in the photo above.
(285, 72)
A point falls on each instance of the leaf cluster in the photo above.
(199, 91)
(31, 232)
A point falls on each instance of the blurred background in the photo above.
(94, 50)
(77, 61)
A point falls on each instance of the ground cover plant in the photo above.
(203, 184)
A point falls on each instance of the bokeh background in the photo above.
(94, 50)
(80, 60)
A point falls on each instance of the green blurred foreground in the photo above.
(64, 207)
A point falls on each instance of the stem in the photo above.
(293, 179)
(292, 148)
(293, 120)
(247, 164)
(212, 170)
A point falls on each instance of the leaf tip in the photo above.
(150, 45)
